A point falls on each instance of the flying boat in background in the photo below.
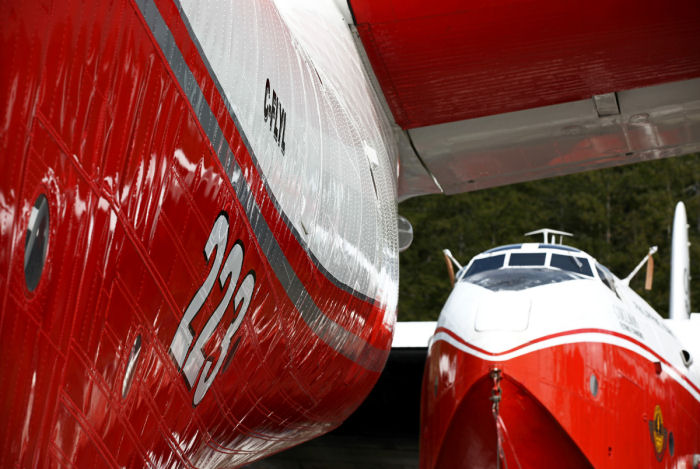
(543, 357)
(198, 228)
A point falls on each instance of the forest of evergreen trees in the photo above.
(615, 215)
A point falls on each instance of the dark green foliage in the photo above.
(615, 214)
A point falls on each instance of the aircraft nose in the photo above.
(506, 311)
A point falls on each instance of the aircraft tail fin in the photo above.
(679, 301)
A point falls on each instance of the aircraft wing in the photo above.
(490, 93)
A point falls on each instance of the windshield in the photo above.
(529, 258)
(520, 270)
(607, 278)
(579, 265)
(485, 263)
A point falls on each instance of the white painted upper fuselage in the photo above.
(291, 73)
(517, 299)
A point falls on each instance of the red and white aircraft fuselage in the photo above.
(198, 260)
(543, 358)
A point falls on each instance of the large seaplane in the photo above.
(544, 358)
(198, 229)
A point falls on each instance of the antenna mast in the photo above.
(547, 232)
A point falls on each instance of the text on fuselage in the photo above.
(276, 115)
(189, 350)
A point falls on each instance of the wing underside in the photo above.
(487, 94)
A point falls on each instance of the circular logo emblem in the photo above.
(658, 433)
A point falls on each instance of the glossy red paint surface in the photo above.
(550, 415)
(446, 61)
(530, 436)
(94, 119)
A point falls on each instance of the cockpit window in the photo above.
(527, 259)
(579, 265)
(607, 278)
(527, 269)
(486, 263)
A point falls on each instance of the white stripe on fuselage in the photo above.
(573, 338)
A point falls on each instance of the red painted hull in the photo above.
(530, 435)
(548, 412)
(94, 118)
